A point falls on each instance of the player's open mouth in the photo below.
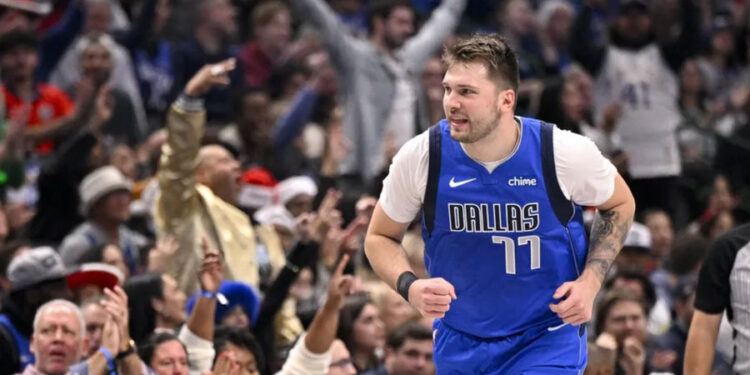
(458, 121)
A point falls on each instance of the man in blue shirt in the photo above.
(513, 278)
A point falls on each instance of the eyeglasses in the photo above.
(343, 363)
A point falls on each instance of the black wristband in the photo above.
(404, 282)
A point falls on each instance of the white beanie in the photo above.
(276, 215)
(99, 183)
(294, 186)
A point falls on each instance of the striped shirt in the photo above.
(724, 284)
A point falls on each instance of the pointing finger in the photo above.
(342, 264)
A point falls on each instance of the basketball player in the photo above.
(512, 278)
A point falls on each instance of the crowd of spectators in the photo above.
(185, 185)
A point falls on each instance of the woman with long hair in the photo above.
(362, 331)
(155, 304)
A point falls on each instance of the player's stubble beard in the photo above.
(478, 129)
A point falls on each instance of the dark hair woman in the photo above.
(362, 331)
(155, 304)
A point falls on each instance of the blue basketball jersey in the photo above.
(506, 240)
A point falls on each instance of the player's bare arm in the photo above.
(383, 246)
(699, 351)
(611, 225)
(431, 297)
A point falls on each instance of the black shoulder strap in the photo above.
(433, 177)
(563, 208)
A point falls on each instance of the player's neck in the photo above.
(498, 144)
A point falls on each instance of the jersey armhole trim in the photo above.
(433, 178)
(564, 208)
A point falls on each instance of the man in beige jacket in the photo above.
(199, 188)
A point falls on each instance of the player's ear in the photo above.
(506, 101)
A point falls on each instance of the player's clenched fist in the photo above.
(432, 297)
(578, 299)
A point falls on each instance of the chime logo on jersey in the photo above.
(522, 181)
(498, 217)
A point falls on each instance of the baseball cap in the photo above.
(99, 183)
(638, 238)
(99, 274)
(36, 266)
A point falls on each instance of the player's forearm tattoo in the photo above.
(607, 235)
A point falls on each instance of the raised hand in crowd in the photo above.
(299, 48)
(303, 227)
(210, 277)
(116, 306)
(323, 79)
(103, 107)
(322, 332)
(340, 286)
(152, 146)
(210, 76)
(211, 273)
(365, 207)
(337, 147)
(323, 328)
(85, 92)
(327, 216)
(110, 335)
(161, 254)
(347, 239)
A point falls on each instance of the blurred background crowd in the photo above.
(203, 224)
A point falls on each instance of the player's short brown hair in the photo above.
(493, 51)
